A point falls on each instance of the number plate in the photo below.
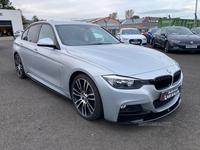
(135, 42)
(169, 94)
(191, 46)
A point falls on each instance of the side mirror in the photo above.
(163, 34)
(47, 42)
(118, 33)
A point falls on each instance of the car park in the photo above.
(18, 33)
(102, 76)
(149, 34)
(131, 36)
(176, 39)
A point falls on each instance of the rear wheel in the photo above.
(19, 67)
(167, 49)
(86, 97)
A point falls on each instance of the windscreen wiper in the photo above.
(99, 43)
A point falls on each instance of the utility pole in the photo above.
(195, 15)
(169, 20)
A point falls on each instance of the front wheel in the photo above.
(86, 97)
(167, 49)
(19, 66)
(154, 44)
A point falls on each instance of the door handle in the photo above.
(21, 44)
(35, 50)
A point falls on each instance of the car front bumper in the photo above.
(113, 99)
(141, 42)
(182, 47)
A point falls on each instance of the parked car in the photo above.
(176, 39)
(196, 30)
(18, 33)
(143, 31)
(103, 77)
(131, 36)
(149, 34)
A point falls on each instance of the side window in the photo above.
(24, 35)
(164, 31)
(46, 32)
(32, 34)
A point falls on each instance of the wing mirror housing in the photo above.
(47, 42)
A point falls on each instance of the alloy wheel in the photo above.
(83, 97)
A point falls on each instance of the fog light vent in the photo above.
(128, 109)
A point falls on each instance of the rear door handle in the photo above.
(35, 50)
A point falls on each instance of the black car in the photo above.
(176, 39)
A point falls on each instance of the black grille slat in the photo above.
(135, 40)
(158, 103)
(163, 82)
(177, 76)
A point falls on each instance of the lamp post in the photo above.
(195, 15)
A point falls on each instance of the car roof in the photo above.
(175, 27)
(129, 28)
(64, 23)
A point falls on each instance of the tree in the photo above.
(23, 18)
(113, 15)
(6, 4)
(129, 14)
(135, 17)
(35, 18)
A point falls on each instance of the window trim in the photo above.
(56, 41)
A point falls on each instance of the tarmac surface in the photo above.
(35, 118)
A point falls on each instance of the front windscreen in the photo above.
(76, 35)
(154, 30)
(178, 31)
(130, 31)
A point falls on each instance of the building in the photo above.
(27, 22)
(108, 23)
(10, 21)
(148, 22)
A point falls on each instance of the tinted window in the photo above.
(154, 30)
(32, 34)
(158, 32)
(46, 32)
(24, 36)
(178, 31)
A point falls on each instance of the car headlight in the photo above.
(121, 82)
(125, 39)
(175, 41)
(144, 39)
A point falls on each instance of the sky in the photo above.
(66, 10)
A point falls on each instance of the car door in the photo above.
(163, 37)
(28, 45)
(46, 59)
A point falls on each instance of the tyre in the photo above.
(86, 97)
(167, 49)
(19, 67)
(154, 44)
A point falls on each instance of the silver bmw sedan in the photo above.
(103, 77)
